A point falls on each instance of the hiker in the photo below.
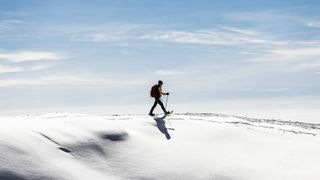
(156, 93)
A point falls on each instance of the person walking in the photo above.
(156, 93)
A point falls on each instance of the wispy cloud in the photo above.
(11, 21)
(31, 56)
(167, 72)
(8, 22)
(117, 32)
(15, 69)
(241, 31)
(307, 65)
(102, 37)
(7, 26)
(9, 69)
(313, 24)
(291, 54)
(262, 16)
(266, 90)
(296, 59)
(114, 33)
(67, 79)
(221, 36)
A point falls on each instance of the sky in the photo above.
(64, 54)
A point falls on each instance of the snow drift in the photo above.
(202, 146)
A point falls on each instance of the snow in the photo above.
(201, 146)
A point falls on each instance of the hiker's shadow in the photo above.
(162, 127)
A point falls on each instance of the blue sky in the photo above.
(79, 53)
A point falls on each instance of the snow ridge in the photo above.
(203, 146)
(284, 125)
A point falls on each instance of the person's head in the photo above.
(160, 83)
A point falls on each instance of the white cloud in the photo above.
(14, 69)
(117, 32)
(304, 52)
(7, 26)
(12, 21)
(9, 69)
(222, 36)
(105, 38)
(166, 72)
(296, 59)
(308, 65)
(38, 67)
(291, 54)
(265, 17)
(30, 56)
(314, 24)
(266, 90)
(67, 79)
(101, 37)
(114, 33)
(9, 22)
(241, 31)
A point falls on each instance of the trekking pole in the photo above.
(166, 108)
(167, 101)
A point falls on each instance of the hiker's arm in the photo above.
(162, 93)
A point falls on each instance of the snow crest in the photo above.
(182, 146)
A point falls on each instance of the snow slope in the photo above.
(201, 146)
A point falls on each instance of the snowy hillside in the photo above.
(201, 146)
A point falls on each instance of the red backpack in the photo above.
(154, 92)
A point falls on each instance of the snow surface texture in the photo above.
(201, 146)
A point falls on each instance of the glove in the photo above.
(167, 94)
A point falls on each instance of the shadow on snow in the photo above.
(162, 127)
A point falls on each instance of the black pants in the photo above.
(157, 101)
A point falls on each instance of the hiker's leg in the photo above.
(154, 106)
(162, 106)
